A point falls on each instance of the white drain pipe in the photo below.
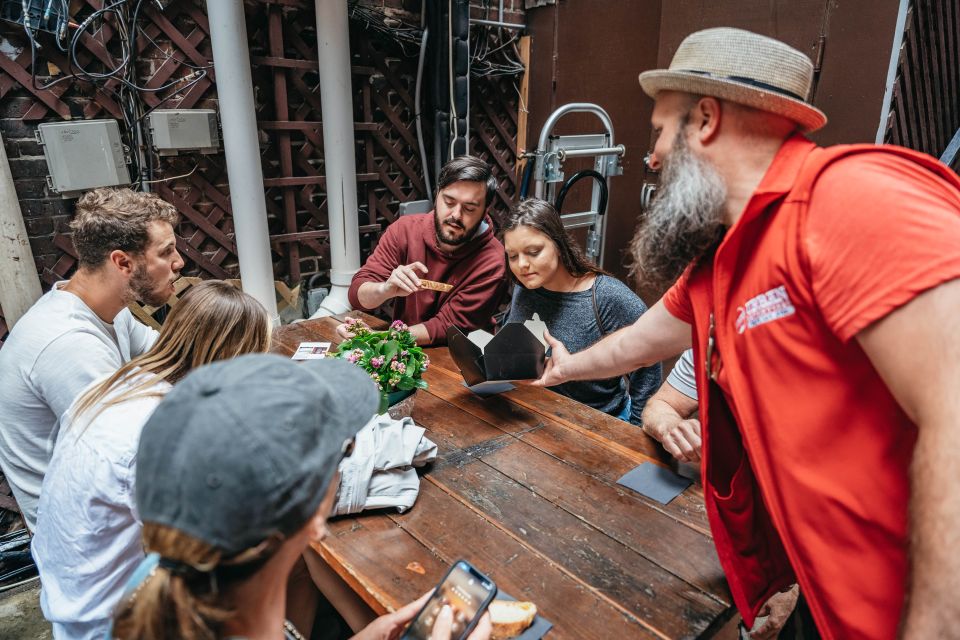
(18, 271)
(231, 59)
(339, 157)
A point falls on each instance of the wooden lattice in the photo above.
(925, 110)
(286, 298)
(493, 133)
(283, 50)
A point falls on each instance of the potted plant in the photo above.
(391, 357)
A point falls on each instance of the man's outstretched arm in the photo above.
(654, 336)
(916, 350)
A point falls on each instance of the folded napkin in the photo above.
(381, 471)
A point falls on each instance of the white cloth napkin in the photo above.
(381, 472)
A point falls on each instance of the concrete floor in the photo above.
(20, 616)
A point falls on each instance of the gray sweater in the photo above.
(571, 319)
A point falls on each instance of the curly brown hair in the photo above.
(108, 219)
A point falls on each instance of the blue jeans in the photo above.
(625, 414)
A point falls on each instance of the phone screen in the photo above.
(466, 591)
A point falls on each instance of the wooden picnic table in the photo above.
(525, 488)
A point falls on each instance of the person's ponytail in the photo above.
(174, 601)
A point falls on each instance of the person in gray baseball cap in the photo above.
(237, 473)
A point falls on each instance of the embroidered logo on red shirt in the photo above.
(766, 307)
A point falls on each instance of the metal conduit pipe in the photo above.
(18, 271)
(339, 156)
(618, 150)
(231, 60)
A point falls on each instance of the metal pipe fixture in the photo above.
(231, 60)
(339, 155)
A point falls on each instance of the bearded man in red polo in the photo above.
(820, 290)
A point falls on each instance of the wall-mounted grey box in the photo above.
(83, 155)
(175, 130)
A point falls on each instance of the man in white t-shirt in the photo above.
(667, 416)
(81, 329)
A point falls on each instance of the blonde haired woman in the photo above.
(87, 541)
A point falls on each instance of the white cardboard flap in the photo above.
(536, 326)
(480, 338)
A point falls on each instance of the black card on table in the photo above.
(654, 482)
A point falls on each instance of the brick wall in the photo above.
(43, 213)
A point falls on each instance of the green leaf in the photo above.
(422, 384)
(406, 384)
(390, 349)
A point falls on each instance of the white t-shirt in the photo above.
(88, 538)
(53, 352)
(682, 378)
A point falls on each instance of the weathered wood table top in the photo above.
(525, 488)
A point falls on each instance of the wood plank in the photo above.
(308, 125)
(594, 455)
(300, 236)
(372, 554)
(599, 459)
(602, 463)
(452, 530)
(451, 427)
(296, 181)
(554, 406)
(673, 607)
(686, 550)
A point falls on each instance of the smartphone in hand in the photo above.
(466, 591)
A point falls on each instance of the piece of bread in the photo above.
(435, 286)
(510, 618)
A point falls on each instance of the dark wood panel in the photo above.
(620, 513)
(380, 561)
(643, 525)
(594, 452)
(617, 570)
(452, 530)
(531, 498)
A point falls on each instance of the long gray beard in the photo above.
(684, 221)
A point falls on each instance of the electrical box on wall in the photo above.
(175, 130)
(82, 155)
(45, 15)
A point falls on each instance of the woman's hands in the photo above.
(391, 625)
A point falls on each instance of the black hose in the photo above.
(525, 180)
(579, 175)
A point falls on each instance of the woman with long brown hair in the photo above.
(87, 541)
(579, 302)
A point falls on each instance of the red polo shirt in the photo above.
(806, 453)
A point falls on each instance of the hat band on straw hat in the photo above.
(748, 81)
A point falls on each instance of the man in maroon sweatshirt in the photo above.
(453, 244)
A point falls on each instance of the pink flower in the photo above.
(376, 362)
(404, 353)
(399, 367)
(398, 325)
(426, 363)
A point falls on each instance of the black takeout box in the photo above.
(517, 352)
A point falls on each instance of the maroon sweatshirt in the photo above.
(475, 269)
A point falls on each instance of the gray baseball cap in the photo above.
(244, 449)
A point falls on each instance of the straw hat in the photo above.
(742, 67)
